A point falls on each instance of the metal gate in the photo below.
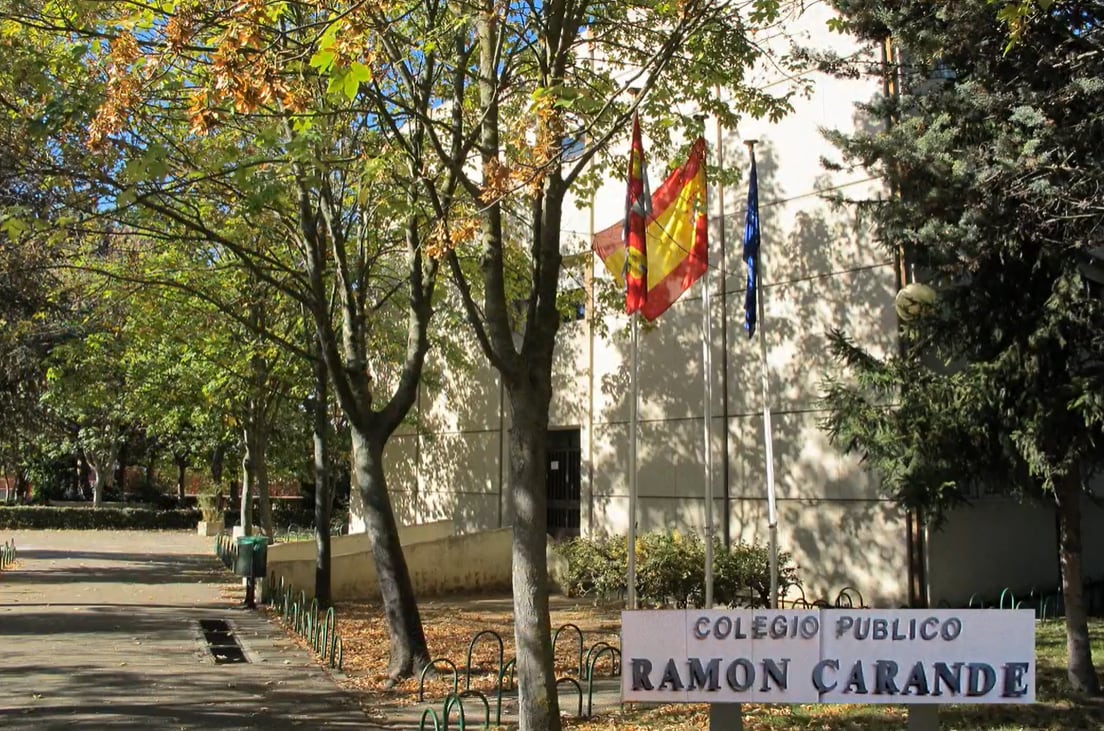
(563, 480)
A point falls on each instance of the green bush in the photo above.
(37, 516)
(670, 570)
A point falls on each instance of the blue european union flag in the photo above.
(751, 249)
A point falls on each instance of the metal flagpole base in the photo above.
(726, 717)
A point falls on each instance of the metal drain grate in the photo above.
(221, 642)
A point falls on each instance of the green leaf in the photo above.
(323, 61)
(337, 81)
(302, 124)
(14, 227)
(357, 74)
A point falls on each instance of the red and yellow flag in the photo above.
(637, 208)
(676, 240)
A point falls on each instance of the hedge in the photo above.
(38, 516)
(670, 570)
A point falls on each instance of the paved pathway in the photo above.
(100, 629)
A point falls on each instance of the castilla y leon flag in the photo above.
(676, 237)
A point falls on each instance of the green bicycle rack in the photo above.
(578, 689)
(579, 633)
(456, 700)
(594, 654)
(430, 666)
(471, 646)
(432, 715)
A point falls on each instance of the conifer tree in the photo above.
(994, 173)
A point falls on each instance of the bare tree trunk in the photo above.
(1082, 674)
(247, 483)
(151, 470)
(323, 485)
(527, 375)
(260, 474)
(81, 478)
(538, 703)
(181, 462)
(23, 485)
(103, 464)
(97, 490)
(409, 653)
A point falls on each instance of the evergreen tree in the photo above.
(994, 172)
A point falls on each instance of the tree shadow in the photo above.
(119, 569)
(822, 271)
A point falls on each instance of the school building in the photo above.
(822, 270)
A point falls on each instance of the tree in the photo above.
(211, 121)
(35, 305)
(513, 88)
(373, 141)
(994, 172)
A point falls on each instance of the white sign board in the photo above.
(828, 656)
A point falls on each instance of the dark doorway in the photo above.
(563, 483)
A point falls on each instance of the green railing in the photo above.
(304, 618)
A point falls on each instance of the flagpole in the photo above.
(768, 442)
(768, 438)
(633, 423)
(634, 316)
(707, 411)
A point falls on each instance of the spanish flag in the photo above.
(637, 210)
(677, 238)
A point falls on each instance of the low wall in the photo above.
(452, 564)
(357, 542)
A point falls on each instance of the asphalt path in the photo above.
(101, 629)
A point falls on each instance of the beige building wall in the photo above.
(822, 271)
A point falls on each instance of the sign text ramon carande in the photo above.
(829, 656)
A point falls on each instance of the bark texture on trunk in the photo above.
(255, 479)
(104, 466)
(260, 472)
(538, 702)
(323, 486)
(409, 653)
(98, 490)
(1082, 674)
(84, 475)
(181, 470)
(246, 507)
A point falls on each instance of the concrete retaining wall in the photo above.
(447, 564)
(357, 542)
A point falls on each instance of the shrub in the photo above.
(42, 517)
(595, 567)
(670, 570)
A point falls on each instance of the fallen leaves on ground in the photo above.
(450, 626)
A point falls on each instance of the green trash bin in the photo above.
(252, 557)
(252, 562)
